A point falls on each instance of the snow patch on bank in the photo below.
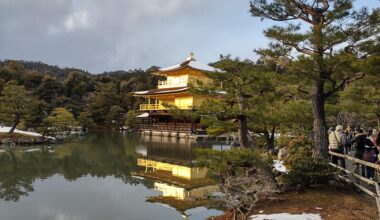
(286, 216)
(279, 166)
(4, 129)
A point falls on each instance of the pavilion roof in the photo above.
(189, 62)
(161, 91)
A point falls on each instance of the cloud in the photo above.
(100, 35)
(74, 21)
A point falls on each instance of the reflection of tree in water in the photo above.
(97, 155)
(14, 188)
(19, 170)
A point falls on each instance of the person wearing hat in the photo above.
(336, 145)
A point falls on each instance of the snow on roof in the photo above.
(141, 92)
(190, 62)
(161, 91)
(143, 115)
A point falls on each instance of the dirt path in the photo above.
(331, 202)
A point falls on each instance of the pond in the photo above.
(105, 176)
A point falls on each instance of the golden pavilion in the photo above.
(173, 92)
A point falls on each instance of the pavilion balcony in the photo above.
(171, 84)
(148, 107)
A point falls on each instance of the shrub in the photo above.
(304, 170)
(246, 179)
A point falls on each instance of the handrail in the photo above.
(375, 194)
(167, 84)
(368, 164)
(161, 107)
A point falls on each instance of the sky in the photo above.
(108, 35)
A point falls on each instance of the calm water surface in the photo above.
(90, 179)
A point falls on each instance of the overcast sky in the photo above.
(106, 35)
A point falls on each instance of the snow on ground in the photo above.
(279, 166)
(4, 129)
(286, 216)
(33, 150)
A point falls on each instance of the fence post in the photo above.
(377, 198)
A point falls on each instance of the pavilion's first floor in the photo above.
(163, 121)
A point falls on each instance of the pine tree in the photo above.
(326, 47)
(61, 119)
(17, 103)
(236, 89)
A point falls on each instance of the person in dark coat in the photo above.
(359, 144)
(347, 138)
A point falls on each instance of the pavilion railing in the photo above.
(188, 127)
(148, 107)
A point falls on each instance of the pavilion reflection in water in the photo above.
(170, 162)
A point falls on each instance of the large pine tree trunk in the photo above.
(243, 119)
(243, 131)
(320, 131)
(15, 123)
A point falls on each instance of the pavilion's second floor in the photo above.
(164, 99)
(183, 102)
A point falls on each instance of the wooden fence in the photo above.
(356, 178)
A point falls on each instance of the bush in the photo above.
(304, 170)
(246, 179)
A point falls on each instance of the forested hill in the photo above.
(100, 97)
(40, 67)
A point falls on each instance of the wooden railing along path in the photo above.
(356, 177)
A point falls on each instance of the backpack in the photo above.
(369, 155)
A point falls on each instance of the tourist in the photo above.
(336, 145)
(373, 136)
(369, 155)
(377, 144)
(359, 144)
(347, 138)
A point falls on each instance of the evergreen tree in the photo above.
(51, 92)
(85, 119)
(17, 104)
(237, 87)
(322, 65)
(105, 96)
(363, 97)
(61, 119)
(115, 116)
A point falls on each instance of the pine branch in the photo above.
(345, 81)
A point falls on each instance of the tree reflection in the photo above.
(98, 155)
